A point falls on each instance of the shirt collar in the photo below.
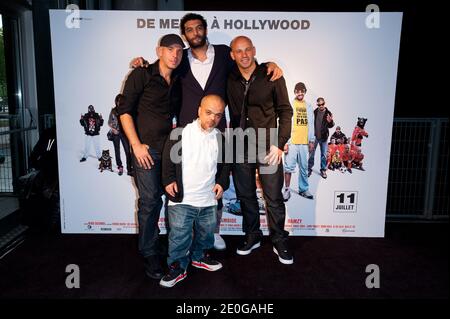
(204, 132)
(238, 76)
(154, 70)
(209, 55)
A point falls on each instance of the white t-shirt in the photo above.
(199, 165)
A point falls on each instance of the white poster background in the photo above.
(337, 56)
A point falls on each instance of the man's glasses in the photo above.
(320, 104)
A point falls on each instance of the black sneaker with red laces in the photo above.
(207, 263)
(175, 275)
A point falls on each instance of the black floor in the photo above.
(412, 258)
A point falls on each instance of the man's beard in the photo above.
(202, 43)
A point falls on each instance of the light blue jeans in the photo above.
(191, 230)
(88, 140)
(298, 154)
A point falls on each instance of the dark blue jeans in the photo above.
(323, 155)
(126, 147)
(148, 182)
(183, 219)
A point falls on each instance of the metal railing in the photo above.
(5, 161)
(5, 165)
(3, 106)
(418, 170)
(13, 145)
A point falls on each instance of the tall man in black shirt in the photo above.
(257, 103)
(151, 100)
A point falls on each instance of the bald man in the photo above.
(257, 103)
(193, 186)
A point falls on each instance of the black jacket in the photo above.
(325, 125)
(91, 121)
(172, 172)
(341, 136)
(265, 103)
(192, 92)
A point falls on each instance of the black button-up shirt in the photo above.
(152, 103)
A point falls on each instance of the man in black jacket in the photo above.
(91, 122)
(339, 136)
(258, 104)
(195, 176)
(323, 121)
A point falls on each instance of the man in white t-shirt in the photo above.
(193, 186)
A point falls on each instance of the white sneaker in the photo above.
(219, 243)
(286, 194)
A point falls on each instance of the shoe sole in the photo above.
(246, 252)
(283, 261)
(172, 283)
(306, 196)
(288, 196)
(201, 265)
